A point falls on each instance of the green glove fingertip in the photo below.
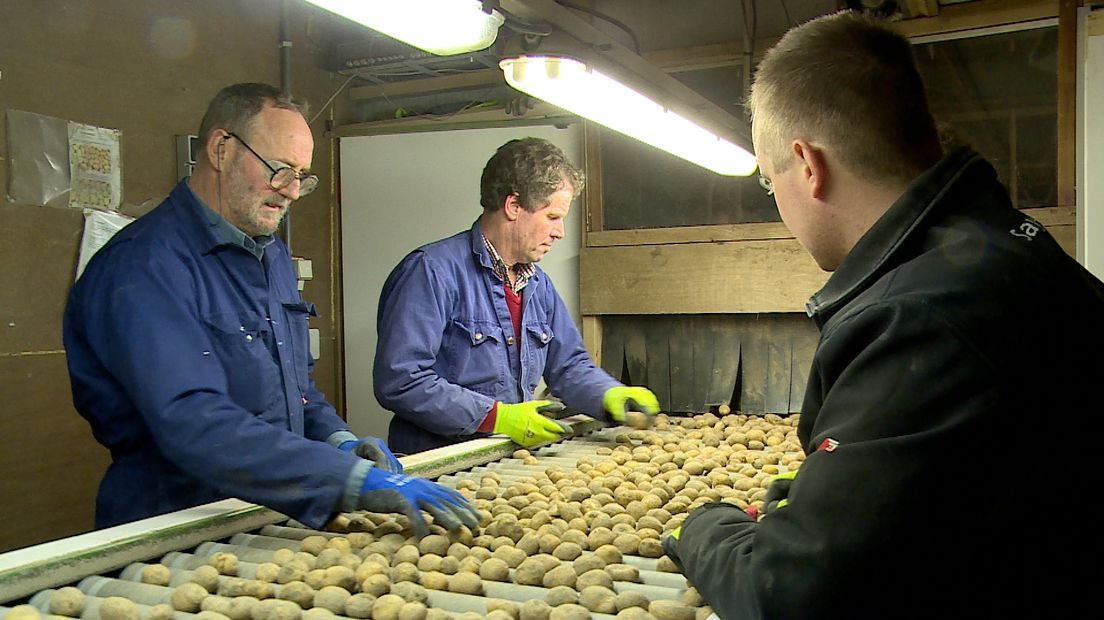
(788, 475)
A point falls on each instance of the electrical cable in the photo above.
(330, 100)
(604, 17)
(750, 26)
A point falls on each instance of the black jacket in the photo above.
(950, 424)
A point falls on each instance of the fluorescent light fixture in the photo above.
(571, 85)
(442, 27)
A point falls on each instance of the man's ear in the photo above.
(512, 207)
(814, 167)
(216, 147)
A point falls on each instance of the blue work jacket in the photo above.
(189, 358)
(446, 351)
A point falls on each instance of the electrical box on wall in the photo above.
(186, 149)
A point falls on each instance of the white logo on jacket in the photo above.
(1028, 229)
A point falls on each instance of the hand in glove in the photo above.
(375, 450)
(670, 546)
(619, 400)
(525, 425)
(778, 492)
(389, 492)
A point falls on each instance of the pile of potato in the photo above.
(564, 530)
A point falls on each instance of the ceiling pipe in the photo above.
(285, 86)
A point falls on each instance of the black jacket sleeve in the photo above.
(904, 397)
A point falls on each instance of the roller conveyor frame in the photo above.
(24, 572)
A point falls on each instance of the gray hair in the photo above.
(235, 107)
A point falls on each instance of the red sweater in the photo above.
(513, 302)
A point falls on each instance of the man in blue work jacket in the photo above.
(187, 345)
(469, 325)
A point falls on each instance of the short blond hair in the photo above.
(852, 84)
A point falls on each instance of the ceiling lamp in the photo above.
(441, 27)
(571, 85)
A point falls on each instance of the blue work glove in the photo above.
(620, 400)
(373, 449)
(398, 493)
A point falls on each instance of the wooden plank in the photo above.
(804, 348)
(776, 395)
(1066, 236)
(1054, 216)
(592, 154)
(659, 361)
(592, 337)
(468, 79)
(753, 366)
(612, 350)
(979, 14)
(704, 339)
(726, 368)
(681, 348)
(636, 351)
(756, 231)
(700, 278)
(1067, 102)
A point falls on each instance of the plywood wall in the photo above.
(147, 69)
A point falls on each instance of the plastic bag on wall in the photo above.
(38, 159)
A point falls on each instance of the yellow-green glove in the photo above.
(621, 399)
(778, 492)
(525, 425)
(669, 543)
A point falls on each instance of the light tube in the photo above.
(442, 27)
(571, 85)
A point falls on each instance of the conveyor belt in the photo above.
(256, 536)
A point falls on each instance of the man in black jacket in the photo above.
(950, 403)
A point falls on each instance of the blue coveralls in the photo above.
(189, 357)
(446, 352)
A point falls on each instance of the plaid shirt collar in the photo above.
(522, 271)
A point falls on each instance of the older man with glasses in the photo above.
(187, 345)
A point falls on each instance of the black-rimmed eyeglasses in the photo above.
(283, 174)
(766, 184)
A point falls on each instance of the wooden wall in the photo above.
(148, 69)
(755, 363)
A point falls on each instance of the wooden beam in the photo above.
(468, 79)
(1067, 102)
(541, 114)
(979, 14)
(690, 234)
(592, 154)
(592, 337)
(694, 58)
(698, 278)
(916, 8)
(1054, 216)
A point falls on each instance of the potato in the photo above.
(466, 583)
(188, 597)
